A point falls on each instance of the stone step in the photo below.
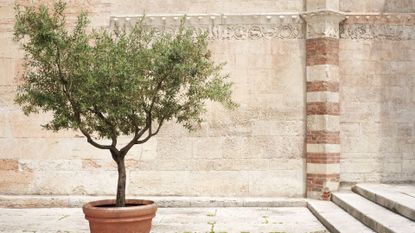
(373, 215)
(335, 219)
(398, 198)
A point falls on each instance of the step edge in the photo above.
(313, 207)
(322, 219)
(383, 201)
(366, 220)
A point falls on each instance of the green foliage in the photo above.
(109, 83)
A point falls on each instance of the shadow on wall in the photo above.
(378, 96)
(395, 60)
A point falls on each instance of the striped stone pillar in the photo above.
(322, 104)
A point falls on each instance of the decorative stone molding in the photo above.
(376, 18)
(379, 27)
(377, 32)
(323, 23)
(225, 27)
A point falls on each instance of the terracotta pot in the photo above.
(136, 217)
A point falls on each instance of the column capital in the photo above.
(322, 24)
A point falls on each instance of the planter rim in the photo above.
(91, 210)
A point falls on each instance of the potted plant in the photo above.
(109, 83)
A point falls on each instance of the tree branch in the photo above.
(155, 94)
(108, 122)
(150, 133)
(148, 126)
(134, 122)
(76, 111)
(127, 147)
(92, 142)
(137, 135)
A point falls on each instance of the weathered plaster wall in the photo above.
(254, 151)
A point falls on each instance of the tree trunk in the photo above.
(122, 177)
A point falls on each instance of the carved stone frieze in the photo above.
(285, 26)
(378, 27)
(227, 27)
(377, 32)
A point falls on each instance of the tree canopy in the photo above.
(107, 83)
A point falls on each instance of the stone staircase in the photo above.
(368, 208)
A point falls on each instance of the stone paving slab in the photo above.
(171, 220)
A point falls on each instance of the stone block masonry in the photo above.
(322, 51)
(326, 93)
(322, 87)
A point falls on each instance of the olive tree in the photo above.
(108, 83)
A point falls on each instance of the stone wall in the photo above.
(383, 6)
(378, 108)
(377, 93)
(257, 150)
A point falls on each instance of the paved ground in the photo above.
(171, 220)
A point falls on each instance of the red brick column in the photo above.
(322, 105)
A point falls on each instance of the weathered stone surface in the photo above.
(390, 196)
(322, 46)
(323, 122)
(376, 123)
(265, 137)
(15, 182)
(205, 6)
(75, 182)
(321, 137)
(335, 219)
(8, 164)
(321, 168)
(376, 217)
(322, 86)
(175, 148)
(73, 201)
(8, 71)
(325, 158)
(322, 51)
(323, 96)
(199, 183)
(315, 5)
(264, 182)
(386, 6)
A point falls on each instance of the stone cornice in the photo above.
(383, 18)
(316, 16)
